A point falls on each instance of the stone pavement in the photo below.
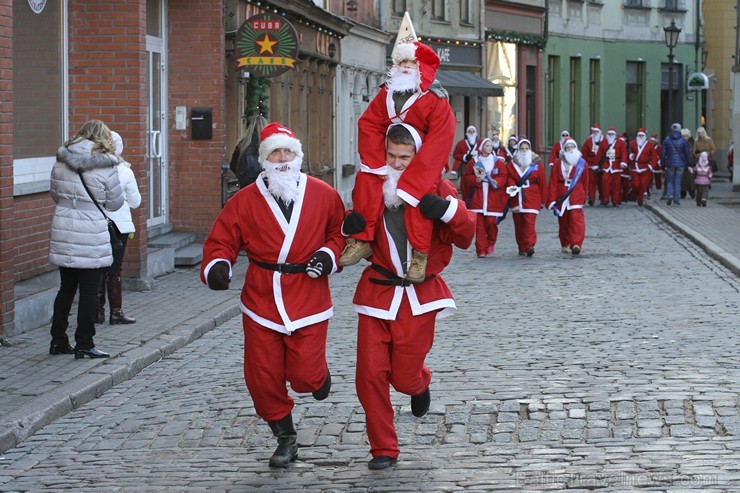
(614, 371)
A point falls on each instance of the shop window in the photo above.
(634, 97)
(502, 70)
(39, 121)
(440, 10)
(594, 86)
(399, 7)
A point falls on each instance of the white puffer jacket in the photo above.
(122, 217)
(79, 232)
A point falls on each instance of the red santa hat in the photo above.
(596, 126)
(612, 130)
(524, 140)
(641, 131)
(483, 141)
(421, 54)
(654, 137)
(494, 135)
(570, 140)
(513, 137)
(415, 134)
(277, 136)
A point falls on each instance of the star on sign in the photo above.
(266, 44)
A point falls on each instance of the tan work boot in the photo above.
(418, 268)
(355, 251)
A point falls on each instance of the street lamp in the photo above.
(671, 39)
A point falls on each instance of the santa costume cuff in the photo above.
(383, 170)
(451, 209)
(211, 264)
(333, 258)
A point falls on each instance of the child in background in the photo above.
(702, 172)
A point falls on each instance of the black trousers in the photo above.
(87, 280)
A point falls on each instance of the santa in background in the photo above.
(589, 151)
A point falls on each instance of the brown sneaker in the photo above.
(418, 268)
(355, 251)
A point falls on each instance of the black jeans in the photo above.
(87, 280)
(118, 258)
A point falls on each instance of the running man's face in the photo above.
(399, 156)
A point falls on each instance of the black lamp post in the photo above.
(671, 39)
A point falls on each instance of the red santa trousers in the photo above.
(572, 228)
(640, 185)
(611, 188)
(391, 352)
(367, 198)
(271, 358)
(524, 230)
(594, 185)
(486, 232)
(627, 192)
(658, 178)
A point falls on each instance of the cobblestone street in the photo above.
(615, 370)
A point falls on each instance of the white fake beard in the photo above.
(496, 145)
(572, 157)
(524, 158)
(283, 178)
(596, 138)
(641, 141)
(402, 79)
(390, 189)
(610, 139)
(471, 138)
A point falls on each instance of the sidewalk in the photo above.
(715, 228)
(38, 388)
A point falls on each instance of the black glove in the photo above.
(319, 265)
(467, 157)
(218, 277)
(353, 223)
(433, 206)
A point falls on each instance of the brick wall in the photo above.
(7, 245)
(107, 81)
(196, 79)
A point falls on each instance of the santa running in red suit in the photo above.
(568, 190)
(408, 96)
(613, 158)
(557, 147)
(590, 151)
(510, 149)
(289, 224)
(626, 176)
(396, 317)
(483, 189)
(642, 160)
(527, 189)
(465, 150)
(656, 168)
(498, 147)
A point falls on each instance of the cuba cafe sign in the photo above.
(266, 45)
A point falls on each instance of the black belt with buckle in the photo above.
(282, 268)
(392, 279)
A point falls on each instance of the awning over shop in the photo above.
(467, 84)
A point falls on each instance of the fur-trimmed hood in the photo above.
(79, 157)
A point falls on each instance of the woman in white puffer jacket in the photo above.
(80, 242)
(111, 279)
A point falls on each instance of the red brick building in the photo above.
(130, 64)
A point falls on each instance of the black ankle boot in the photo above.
(287, 449)
(323, 391)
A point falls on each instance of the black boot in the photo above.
(115, 297)
(323, 392)
(287, 449)
(100, 319)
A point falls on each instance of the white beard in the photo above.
(610, 139)
(572, 157)
(283, 178)
(524, 158)
(641, 141)
(471, 138)
(496, 146)
(390, 189)
(401, 79)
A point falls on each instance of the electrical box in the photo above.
(201, 120)
(181, 118)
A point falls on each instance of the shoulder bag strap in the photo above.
(92, 197)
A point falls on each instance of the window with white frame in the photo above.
(39, 92)
(398, 7)
(466, 12)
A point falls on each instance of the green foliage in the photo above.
(516, 37)
(258, 97)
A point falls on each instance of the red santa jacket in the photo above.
(252, 221)
(612, 157)
(426, 112)
(561, 176)
(642, 159)
(457, 228)
(555, 152)
(657, 166)
(462, 148)
(480, 196)
(533, 193)
(590, 151)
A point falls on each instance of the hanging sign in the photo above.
(266, 45)
(37, 5)
(697, 82)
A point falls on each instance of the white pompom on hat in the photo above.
(117, 142)
(276, 136)
(423, 55)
